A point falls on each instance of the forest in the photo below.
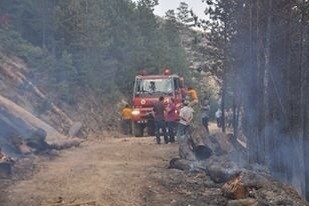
(263, 47)
(261, 57)
(96, 44)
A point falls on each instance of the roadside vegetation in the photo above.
(99, 45)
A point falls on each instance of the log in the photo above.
(202, 152)
(255, 180)
(243, 202)
(220, 144)
(192, 147)
(5, 169)
(75, 128)
(82, 203)
(221, 169)
(186, 150)
(29, 144)
(23, 133)
(65, 144)
(23, 121)
(180, 164)
(6, 164)
(199, 135)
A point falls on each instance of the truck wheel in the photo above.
(137, 130)
(151, 128)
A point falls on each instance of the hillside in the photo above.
(28, 88)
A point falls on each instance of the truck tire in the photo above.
(137, 129)
(151, 128)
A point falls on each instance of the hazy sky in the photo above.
(196, 5)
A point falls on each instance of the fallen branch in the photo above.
(65, 144)
(80, 204)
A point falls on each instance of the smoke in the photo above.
(5, 142)
(282, 152)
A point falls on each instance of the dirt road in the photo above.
(123, 171)
(118, 171)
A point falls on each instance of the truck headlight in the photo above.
(136, 112)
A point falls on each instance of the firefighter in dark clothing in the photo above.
(170, 119)
(205, 108)
(158, 114)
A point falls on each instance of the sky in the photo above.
(197, 6)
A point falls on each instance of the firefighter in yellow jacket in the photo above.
(126, 115)
(193, 96)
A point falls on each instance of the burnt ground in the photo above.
(121, 171)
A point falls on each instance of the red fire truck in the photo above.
(147, 89)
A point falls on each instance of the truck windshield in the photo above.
(153, 87)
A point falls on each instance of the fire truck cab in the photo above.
(147, 89)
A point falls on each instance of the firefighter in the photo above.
(126, 115)
(158, 114)
(205, 108)
(219, 117)
(186, 117)
(170, 118)
(193, 96)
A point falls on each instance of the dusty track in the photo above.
(109, 172)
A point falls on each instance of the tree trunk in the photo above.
(304, 97)
(224, 78)
(250, 88)
(267, 114)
